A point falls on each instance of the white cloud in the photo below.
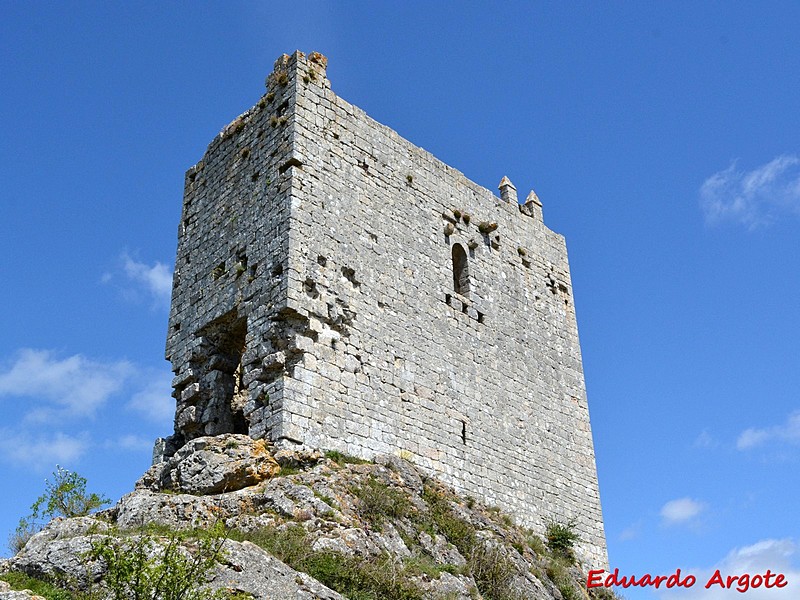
(154, 401)
(681, 510)
(74, 386)
(631, 532)
(41, 451)
(156, 279)
(775, 555)
(40, 390)
(751, 437)
(705, 440)
(754, 198)
(788, 432)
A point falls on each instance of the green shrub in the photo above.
(146, 567)
(64, 496)
(535, 543)
(441, 519)
(557, 571)
(372, 578)
(383, 578)
(25, 530)
(380, 502)
(561, 538)
(492, 571)
(289, 544)
(290, 470)
(604, 593)
(422, 563)
(489, 566)
(326, 499)
(343, 459)
(21, 581)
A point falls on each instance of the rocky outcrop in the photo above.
(316, 527)
(6, 593)
(61, 553)
(247, 568)
(210, 465)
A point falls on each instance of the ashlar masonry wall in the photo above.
(338, 287)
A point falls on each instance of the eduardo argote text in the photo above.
(741, 583)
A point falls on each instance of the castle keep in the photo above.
(337, 287)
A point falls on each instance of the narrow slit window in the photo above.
(460, 270)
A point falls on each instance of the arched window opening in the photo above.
(460, 270)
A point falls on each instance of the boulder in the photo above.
(247, 568)
(212, 465)
(59, 551)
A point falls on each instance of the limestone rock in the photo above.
(6, 593)
(59, 550)
(247, 568)
(244, 568)
(406, 474)
(452, 587)
(213, 464)
(295, 459)
(354, 514)
(442, 551)
(176, 511)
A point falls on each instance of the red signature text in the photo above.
(741, 583)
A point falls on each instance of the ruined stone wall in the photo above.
(414, 312)
(230, 282)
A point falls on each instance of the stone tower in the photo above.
(337, 287)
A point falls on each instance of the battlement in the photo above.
(338, 287)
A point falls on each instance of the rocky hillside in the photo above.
(236, 520)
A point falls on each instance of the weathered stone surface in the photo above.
(382, 513)
(247, 568)
(6, 593)
(244, 567)
(178, 511)
(337, 287)
(403, 470)
(60, 550)
(442, 551)
(452, 587)
(209, 465)
(297, 458)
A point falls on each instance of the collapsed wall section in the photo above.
(439, 320)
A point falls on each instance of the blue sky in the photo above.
(663, 141)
